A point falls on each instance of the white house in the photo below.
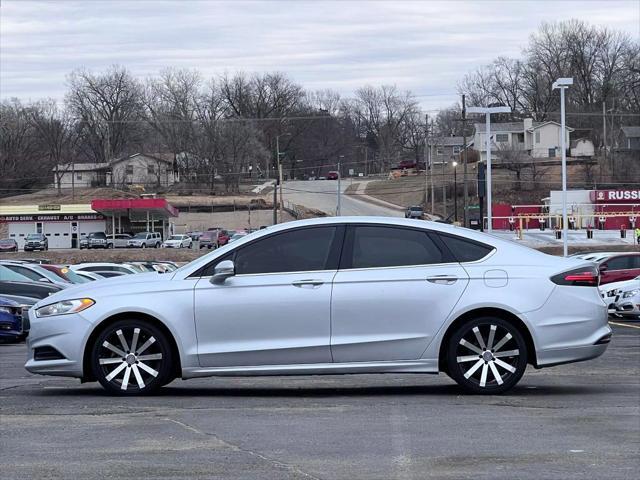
(150, 169)
(538, 139)
(80, 175)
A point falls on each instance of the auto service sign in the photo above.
(616, 196)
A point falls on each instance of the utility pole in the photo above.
(604, 130)
(426, 160)
(433, 190)
(275, 202)
(339, 203)
(444, 185)
(465, 188)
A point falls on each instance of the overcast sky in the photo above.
(424, 46)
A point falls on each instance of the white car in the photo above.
(623, 298)
(145, 240)
(177, 241)
(338, 295)
(105, 267)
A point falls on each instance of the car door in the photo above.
(394, 289)
(275, 310)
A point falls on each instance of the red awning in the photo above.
(135, 208)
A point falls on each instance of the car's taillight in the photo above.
(580, 277)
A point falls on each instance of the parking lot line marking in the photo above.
(624, 325)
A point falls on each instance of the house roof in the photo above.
(161, 157)
(631, 131)
(80, 167)
(542, 124)
(446, 141)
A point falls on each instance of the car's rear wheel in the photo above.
(132, 357)
(486, 355)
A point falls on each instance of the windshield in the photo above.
(6, 274)
(175, 237)
(6, 241)
(416, 209)
(34, 236)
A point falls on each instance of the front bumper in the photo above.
(67, 334)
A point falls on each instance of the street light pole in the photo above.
(562, 84)
(487, 111)
(455, 191)
(339, 203)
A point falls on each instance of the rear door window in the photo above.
(381, 246)
(619, 263)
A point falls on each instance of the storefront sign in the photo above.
(51, 218)
(615, 196)
(42, 208)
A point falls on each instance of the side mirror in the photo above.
(222, 271)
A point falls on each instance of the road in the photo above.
(322, 195)
(575, 421)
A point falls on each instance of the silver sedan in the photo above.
(330, 296)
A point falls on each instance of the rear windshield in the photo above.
(97, 235)
(140, 235)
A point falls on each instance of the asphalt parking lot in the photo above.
(573, 421)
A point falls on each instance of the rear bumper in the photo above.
(572, 326)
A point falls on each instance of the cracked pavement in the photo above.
(573, 421)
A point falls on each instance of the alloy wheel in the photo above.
(131, 358)
(488, 356)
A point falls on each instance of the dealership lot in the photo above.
(576, 421)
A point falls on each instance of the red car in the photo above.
(617, 268)
(8, 245)
(333, 175)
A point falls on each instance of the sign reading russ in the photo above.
(615, 196)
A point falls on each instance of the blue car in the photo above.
(11, 323)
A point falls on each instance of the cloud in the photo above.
(423, 46)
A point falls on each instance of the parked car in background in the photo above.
(119, 240)
(177, 241)
(333, 175)
(26, 288)
(628, 305)
(65, 273)
(237, 236)
(11, 327)
(414, 211)
(94, 240)
(109, 273)
(8, 245)
(35, 273)
(195, 236)
(106, 267)
(614, 266)
(36, 241)
(145, 240)
(214, 238)
(89, 276)
(407, 164)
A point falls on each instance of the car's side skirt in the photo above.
(400, 366)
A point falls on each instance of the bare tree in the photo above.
(109, 111)
(57, 137)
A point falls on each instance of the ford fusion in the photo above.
(330, 296)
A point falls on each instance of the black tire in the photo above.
(144, 245)
(136, 368)
(469, 359)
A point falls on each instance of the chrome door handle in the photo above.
(443, 279)
(307, 283)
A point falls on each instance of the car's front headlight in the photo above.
(630, 294)
(64, 307)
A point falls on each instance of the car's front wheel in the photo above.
(486, 355)
(132, 357)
